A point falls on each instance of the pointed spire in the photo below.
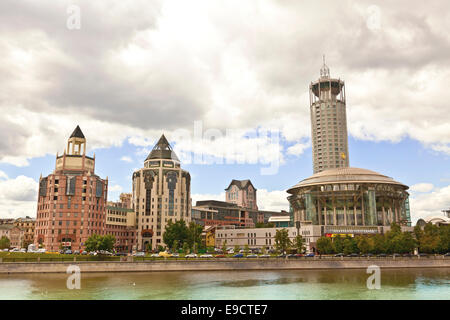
(77, 133)
(324, 71)
(162, 150)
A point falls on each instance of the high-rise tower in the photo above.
(71, 200)
(328, 122)
(161, 192)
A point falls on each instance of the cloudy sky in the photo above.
(227, 83)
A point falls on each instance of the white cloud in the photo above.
(3, 175)
(115, 188)
(163, 65)
(422, 187)
(297, 149)
(18, 197)
(126, 159)
(432, 203)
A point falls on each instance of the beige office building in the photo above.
(161, 192)
(328, 122)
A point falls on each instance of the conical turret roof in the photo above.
(162, 150)
(77, 133)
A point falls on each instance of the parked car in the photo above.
(298, 255)
(422, 255)
(339, 255)
(92, 253)
(23, 250)
(407, 255)
(382, 255)
(265, 256)
(175, 255)
(121, 254)
(5, 250)
(165, 254)
(291, 256)
(396, 255)
(310, 255)
(139, 254)
(76, 252)
(191, 255)
(83, 253)
(238, 255)
(219, 256)
(154, 255)
(368, 255)
(252, 256)
(353, 255)
(230, 251)
(281, 255)
(206, 256)
(14, 250)
(68, 251)
(447, 254)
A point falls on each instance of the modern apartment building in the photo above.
(161, 192)
(71, 200)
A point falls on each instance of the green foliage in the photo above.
(246, 249)
(350, 246)
(97, 242)
(224, 247)
(338, 244)
(264, 225)
(186, 248)
(160, 248)
(175, 231)
(364, 244)
(429, 240)
(175, 245)
(4, 243)
(299, 244)
(325, 245)
(282, 241)
(236, 249)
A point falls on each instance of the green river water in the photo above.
(233, 285)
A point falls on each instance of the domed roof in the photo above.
(346, 175)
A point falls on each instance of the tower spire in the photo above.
(324, 71)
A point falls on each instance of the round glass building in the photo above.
(350, 197)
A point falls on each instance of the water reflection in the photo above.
(293, 284)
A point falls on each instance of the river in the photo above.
(233, 285)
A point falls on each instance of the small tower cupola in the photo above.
(76, 145)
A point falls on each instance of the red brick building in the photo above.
(121, 223)
(72, 200)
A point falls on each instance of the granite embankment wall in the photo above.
(220, 265)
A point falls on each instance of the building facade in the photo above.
(121, 223)
(72, 200)
(14, 234)
(242, 193)
(161, 192)
(27, 224)
(328, 122)
(257, 238)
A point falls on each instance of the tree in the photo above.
(5, 243)
(444, 236)
(224, 247)
(92, 243)
(264, 225)
(430, 239)
(246, 249)
(107, 242)
(195, 236)
(236, 249)
(263, 250)
(379, 244)
(338, 244)
(299, 244)
(185, 248)
(175, 245)
(97, 242)
(176, 231)
(349, 245)
(282, 241)
(324, 245)
(364, 244)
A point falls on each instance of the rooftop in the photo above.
(162, 150)
(346, 175)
